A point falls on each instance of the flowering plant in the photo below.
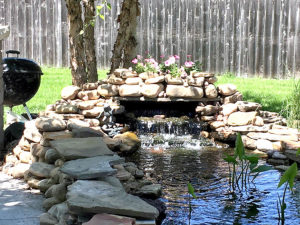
(171, 67)
(192, 66)
(145, 65)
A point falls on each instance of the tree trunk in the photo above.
(77, 59)
(125, 45)
(89, 41)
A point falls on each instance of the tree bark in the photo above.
(126, 43)
(77, 59)
(89, 41)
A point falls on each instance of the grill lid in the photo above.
(20, 65)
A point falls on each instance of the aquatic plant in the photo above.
(288, 179)
(191, 191)
(292, 106)
(243, 168)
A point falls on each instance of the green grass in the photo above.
(270, 93)
(52, 82)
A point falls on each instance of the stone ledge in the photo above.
(143, 99)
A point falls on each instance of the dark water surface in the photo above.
(174, 160)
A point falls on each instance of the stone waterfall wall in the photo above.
(4, 32)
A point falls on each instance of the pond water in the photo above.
(174, 159)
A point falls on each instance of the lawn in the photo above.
(270, 93)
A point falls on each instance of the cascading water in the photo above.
(172, 132)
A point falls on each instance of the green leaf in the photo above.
(102, 16)
(191, 190)
(99, 7)
(230, 159)
(298, 151)
(289, 176)
(261, 168)
(108, 5)
(239, 147)
(253, 159)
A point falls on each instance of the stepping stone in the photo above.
(76, 148)
(92, 197)
(92, 168)
(40, 169)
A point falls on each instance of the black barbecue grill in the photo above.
(22, 78)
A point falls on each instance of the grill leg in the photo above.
(27, 111)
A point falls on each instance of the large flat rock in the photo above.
(92, 168)
(76, 148)
(85, 197)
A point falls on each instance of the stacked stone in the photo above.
(82, 107)
(64, 164)
(262, 131)
(127, 83)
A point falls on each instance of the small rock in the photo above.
(92, 113)
(155, 80)
(233, 98)
(90, 86)
(248, 106)
(129, 142)
(51, 156)
(258, 121)
(217, 124)
(25, 157)
(86, 104)
(49, 202)
(248, 142)
(59, 211)
(151, 191)
(32, 134)
(227, 89)
(179, 91)
(241, 118)
(49, 124)
(278, 155)
(41, 169)
(211, 91)
(65, 108)
(196, 81)
(151, 90)
(130, 90)
(84, 132)
(69, 92)
(207, 110)
(58, 191)
(120, 71)
(88, 95)
(109, 219)
(57, 135)
(173, 80)
(19, 170)
(133, 80)
(229, 109)
(47, 219)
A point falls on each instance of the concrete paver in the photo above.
(18, 204)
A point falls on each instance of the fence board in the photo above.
(247, 37)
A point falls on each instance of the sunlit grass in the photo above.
(52, 82)
(270, 93)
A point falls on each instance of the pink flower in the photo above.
(162, 56)
(167, 63)
(134, 61)
(189, 64)
(176, 57)
(189, 56)
(152, 61)
(172, 60)
(138, 57)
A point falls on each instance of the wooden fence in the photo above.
(247, 37)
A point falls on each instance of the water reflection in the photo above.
(204, 167)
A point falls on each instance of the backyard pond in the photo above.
(174, 159)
